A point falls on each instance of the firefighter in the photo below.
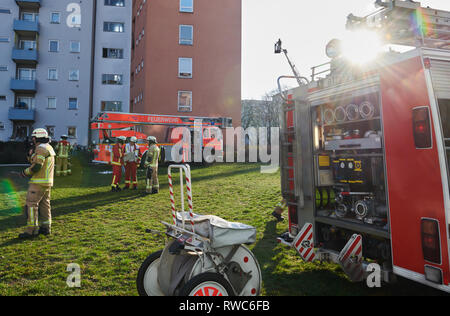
(279, 210)
(132, 158)
(41, 174)
(62, 157)
(151, 163)
(117, 162)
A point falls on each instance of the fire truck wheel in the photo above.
(207, 284)
(147, 278)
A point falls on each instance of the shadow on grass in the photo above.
(61, 207)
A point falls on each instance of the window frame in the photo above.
(74, 51)
(182, 41)
(186, 9)
(77, 72)
(68, 104)
(110, 30)
(56, 72)
(59, 17)
(50, 46)
(180, 73)
(182, 108)
(48, 103)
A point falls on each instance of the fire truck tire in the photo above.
(147, 278)
(207, 284)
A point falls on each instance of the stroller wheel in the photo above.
(147, 278)
(207, 284)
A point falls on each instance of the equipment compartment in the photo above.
(349, 161)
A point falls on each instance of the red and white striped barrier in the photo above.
(187, 171)
(350, 258)
(304, 243)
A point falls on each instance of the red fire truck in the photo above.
(111, 125)
(364, 152)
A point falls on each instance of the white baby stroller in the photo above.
(205, 256)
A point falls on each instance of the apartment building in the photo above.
(61, 62)
(186, 58)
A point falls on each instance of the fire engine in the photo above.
(364, 151)
(111, 125)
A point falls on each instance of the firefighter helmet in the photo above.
(133, 139)
(64, 136)
(40, 133)
(151, 139)
(123, 138)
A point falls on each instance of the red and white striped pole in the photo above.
(172, 200)
(189, 194)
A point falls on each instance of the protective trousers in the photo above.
(62, 166)
(117, 175)
(38, 202)
(131, 174)
(152, 182)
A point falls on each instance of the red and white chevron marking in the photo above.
(172, 200)
(350, 258)
(189, 196)
(304, 243)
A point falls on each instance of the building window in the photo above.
(73, 103)
(27, 44)
(112, 79)
(187, 6)
(72, 132)
(115, 3)
(55, 18)
(6, 11)
(112, 106)
(75, 47)
(3, 68)
(50, 130)
(184, 101)
(2, 125)
(2, 97)
(74, 75)
(51, 103)
(53, 46)
(115, 53)
(184, 67)
(25, 102)
(52, 74)
(113, 27)
(29, 16)
(186, 34)
(26, 74)
(4, 39)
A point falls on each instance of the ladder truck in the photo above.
(111, 125)
(365, 152)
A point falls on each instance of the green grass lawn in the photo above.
(104, 233)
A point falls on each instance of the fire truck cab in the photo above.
(364, 154)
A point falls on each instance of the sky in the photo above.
(304, 26)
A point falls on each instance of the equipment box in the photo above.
(356, 143)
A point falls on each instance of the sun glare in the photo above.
(361, 47)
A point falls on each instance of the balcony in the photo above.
(29, 4)
(21, 114)
(19, 85)
(26, 28)
(25, 56)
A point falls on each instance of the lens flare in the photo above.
(360, 47)
(421, 24)
(10, 201)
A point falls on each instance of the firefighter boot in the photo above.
(155, 190)
(45, 230)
